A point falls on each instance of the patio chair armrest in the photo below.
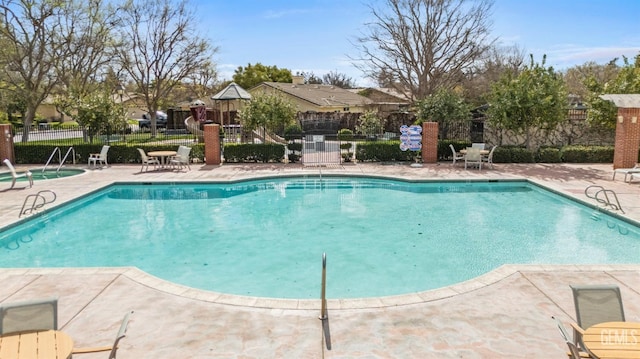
(91, 350)
(577, 332)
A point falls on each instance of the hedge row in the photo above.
(372, 151)
(38, 153)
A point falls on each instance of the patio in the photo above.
(505, 313)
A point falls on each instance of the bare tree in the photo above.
(339, 80)
(424, 45)
(577, 77)
(89, 28)
(161, 48)
(33, 46)
(203, 81)
(493, 64)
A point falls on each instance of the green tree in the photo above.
(370, 124)
(601, 113)
(444, 107)
(533, 100)
(269, 112)
(252, 75)
(97, 113)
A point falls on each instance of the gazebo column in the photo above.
(627, 141)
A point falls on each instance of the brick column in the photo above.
(627, 141)
(6, 144)
(212, 147)
(429, 142)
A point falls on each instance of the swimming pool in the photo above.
(265, 238)
(38, 174)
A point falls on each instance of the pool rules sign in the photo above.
(411, 139)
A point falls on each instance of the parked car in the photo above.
(161, 120)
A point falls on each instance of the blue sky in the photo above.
(318, 35)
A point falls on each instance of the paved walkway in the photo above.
(503, 314)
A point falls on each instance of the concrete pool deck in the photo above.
(505, 313)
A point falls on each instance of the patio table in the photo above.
(163, 156)
(613, 340)
(36, 344)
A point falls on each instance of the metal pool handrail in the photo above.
(35, 202)
(324, 317)
(70, 150)
(606, 201)
(323, 299)
(57, 149)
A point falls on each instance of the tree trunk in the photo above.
(27, 121)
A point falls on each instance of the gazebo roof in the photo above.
(623, 100)
(232, 92)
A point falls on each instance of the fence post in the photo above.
(6, 143)
(212, 147)
(429, 142)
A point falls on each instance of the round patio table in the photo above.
(163, 156)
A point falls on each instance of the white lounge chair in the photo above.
(473, 157)
(181, 158)
(15, 175)
(41, 314)
(456, 155)
(101, 157)
(146, 160)
(627, 172)
(112, 348)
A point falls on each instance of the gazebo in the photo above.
(230, 93)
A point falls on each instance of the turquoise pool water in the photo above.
(37, 174)
(266, 237)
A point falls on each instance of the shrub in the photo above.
(250, 152)
(549, 155)
(587, 154)
(383, 151)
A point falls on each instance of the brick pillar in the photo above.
(212, 147)
(429, 142)
(627, 141)
(6, 144)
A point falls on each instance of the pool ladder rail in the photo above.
(34, 202)
(61, 160)
(606, 197)
(324, 315)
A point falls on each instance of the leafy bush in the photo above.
(587, 154)
(294, 146)
(250, 152)
(292, 132)
(549, 155)
(39, 153)
(376, 151)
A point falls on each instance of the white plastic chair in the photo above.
(479, 146)
(41, 314)
(15, 175)
(181, 158)
(101, 157)
(112, 348)
(473, 157)
(489, 158)
(146, 160)
(456, 155)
